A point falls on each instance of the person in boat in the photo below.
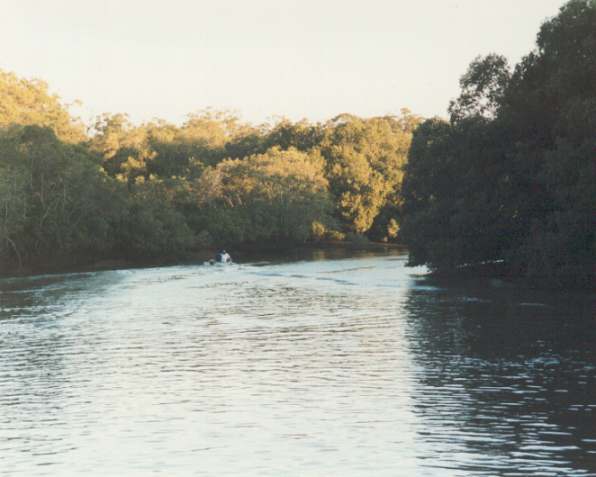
(223, 257)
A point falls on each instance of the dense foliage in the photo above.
(277, 195)
(511, 177)
(29, 102)
(158, 190)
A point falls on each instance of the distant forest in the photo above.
(509, 178)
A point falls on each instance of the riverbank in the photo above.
(493, 274)
(240, 253)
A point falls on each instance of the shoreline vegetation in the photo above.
(510, 178)
(505, 186)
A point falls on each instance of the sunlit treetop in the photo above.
(25, 102)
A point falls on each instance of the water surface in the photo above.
(330, 367)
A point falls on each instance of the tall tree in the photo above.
(364, 164)
(512, 176)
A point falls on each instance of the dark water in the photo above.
(347, 367)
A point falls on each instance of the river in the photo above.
(324, 366)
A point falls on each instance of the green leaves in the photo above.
(158, 189)
(482, 88)
(272, 196)
(56, 201)
(27, 102)
(512, 175)
(364, 164)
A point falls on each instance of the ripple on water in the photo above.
(339, 367)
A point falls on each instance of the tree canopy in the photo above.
(511, 176)
(161, 190)
(28, 102)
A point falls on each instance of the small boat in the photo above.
(222, 257)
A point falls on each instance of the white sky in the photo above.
(262, 58)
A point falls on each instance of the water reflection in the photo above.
(505, 380)
(342, 366)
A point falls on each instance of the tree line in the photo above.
(509, 178)
(71, 194)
